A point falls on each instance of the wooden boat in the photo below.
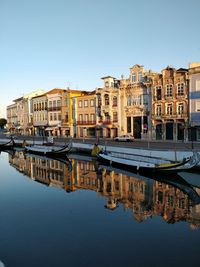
(49, 150)
(8, 145)
(146, 164)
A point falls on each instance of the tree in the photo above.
(3, 122)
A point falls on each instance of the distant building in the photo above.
(194, 101)
(20, 114)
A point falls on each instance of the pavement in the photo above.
(144, 144)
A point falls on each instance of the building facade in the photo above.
(108, 108)
(194, 101)
(136, 102)
(85, 118)
(170, 104)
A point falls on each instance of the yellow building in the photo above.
(67, 111)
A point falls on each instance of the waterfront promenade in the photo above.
(140, 144)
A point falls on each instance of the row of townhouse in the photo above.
(147, 104)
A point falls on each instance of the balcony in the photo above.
(157, 98)
(86, 122)
(107, 122)
(54, 108)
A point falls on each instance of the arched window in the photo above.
(106, 98)
(114, 101)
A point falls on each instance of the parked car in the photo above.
(124, 138)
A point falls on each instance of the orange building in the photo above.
(170, 104)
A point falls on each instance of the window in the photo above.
(85, 103)
(54, 103)
(58, 103)
(80, 103)
(158, 110)
(106, 84)
(140, 77)
(169, 109)
(66, 117)
(169, 90)
(59, 116)
(197, 85)
(92, 117)
(137, 100)
(180, 108)
(180, 89)
(55, 116)
(92, 102)
(158, 93)
(51, 116)
(134, 77)
(115, 119)
(50, 104)
(106, 97)
(197, 106)
(114, 101)
(86, 117)
(129, 100)
(80, 117)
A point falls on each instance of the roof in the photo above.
(106, 77)
(182, 70)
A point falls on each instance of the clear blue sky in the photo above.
(58, 43)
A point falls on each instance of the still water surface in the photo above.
(55, 213)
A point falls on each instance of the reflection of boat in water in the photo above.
(126, 161)
(7, 145)
(174, 180)
(49, 150)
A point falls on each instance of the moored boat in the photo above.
(148, 164)
(7, 145)
(49, 150)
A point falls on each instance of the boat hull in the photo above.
(49, 151)
(147, 166)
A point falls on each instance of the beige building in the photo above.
(136, 102)
(109, 109)
(20, 114)
(12, 120)
(40, 114)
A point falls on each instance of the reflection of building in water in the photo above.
(144, 197)
(170, 202)
(44, 170)
(194, 214)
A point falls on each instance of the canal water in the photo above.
(79, 213)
